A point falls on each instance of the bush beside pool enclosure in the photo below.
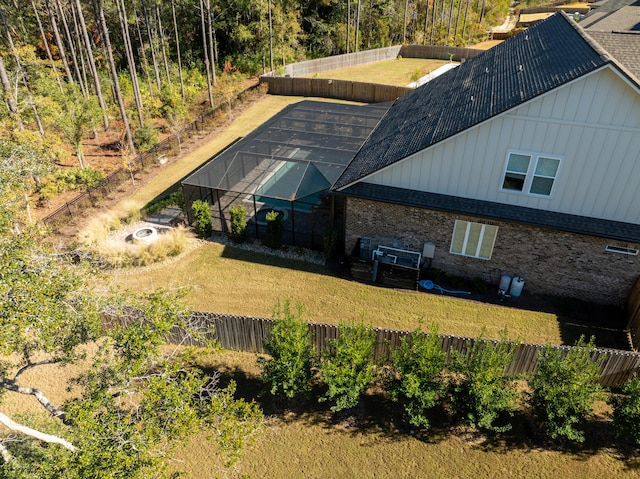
(288, 164)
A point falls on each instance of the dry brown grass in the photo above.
(314, 445)
(398, 71)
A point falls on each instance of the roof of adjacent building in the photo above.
(613, 15)
(545, 56)
(615, 230)
(615, 25)
(623, 46)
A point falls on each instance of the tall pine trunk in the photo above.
(404, 21)
(142, 52)
(455, 30)
(464, 22)
(92, 64)
(175, 31)
(206, 52)
(357, 27)
(10, 99)
(270, 37)
(212, 44)
(72, 48)
(22, 73)
(426, 22)
(151, 46)
(114, 77)
(162, 42)
(433, 22)
(58, 38)
(45, 42)
(126, 38)
(450, 19)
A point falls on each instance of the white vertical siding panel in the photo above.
(435, 170)
(546, 106)
(589, 91)
(631, 116)
(596, 160)
(575, 97)
(629, 203)
(598, 101)
(596, 171)
(559, 105)
(485, 175)
(449, 173)
(564, 142)
(573, 175)
(404, 174)
(494, 153)
(611, 191)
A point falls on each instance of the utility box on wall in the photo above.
(428, 250)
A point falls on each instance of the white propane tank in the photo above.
(516, 286)
(505, 281)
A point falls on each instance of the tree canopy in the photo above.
(136, 396)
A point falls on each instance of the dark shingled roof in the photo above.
(623, 46)
(498, 211)
(547, 55)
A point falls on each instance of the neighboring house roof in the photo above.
(613, 15)
(616, 27)
(547, 55)
(616, 230)
(623, 46)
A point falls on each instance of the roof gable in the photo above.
(544, 57)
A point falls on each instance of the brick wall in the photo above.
(550, 261)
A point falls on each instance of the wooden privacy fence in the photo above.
(155, 155)
(292, 83)
(340, 89)
(243, 333)
(458, 54)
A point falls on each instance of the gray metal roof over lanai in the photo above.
(299, 152)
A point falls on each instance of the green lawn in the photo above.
(398, 71)
(225, 279)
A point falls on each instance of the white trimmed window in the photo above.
(475, 240)
(530, 173)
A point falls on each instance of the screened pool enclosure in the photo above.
(288, 164)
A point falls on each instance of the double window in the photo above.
(529, 173)
(473, 239)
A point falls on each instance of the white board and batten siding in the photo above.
(591, 124)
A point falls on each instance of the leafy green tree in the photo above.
(289, 369)
(480, 392)
(202, 218)
(22, 164)
(275, 227)
(347, 367)
(75, 117)
(564, 389)
(133, 401)
(418, 375)
(238, 223)
(626, 411)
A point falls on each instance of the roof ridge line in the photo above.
(583, 33)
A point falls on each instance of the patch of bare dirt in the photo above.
(105, 155)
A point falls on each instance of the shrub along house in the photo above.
(522, 161)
